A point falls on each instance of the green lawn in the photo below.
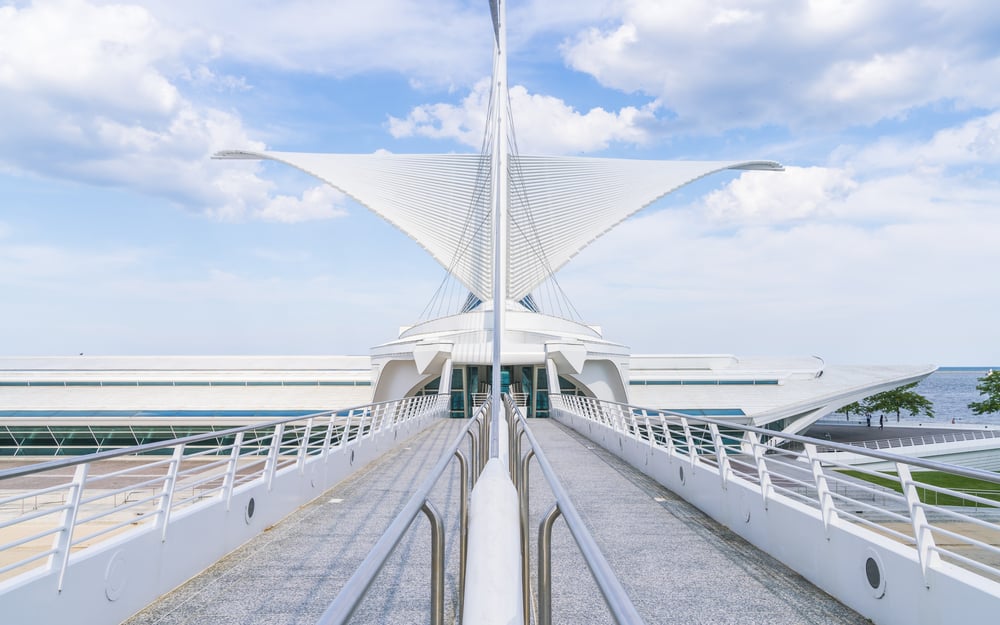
(982, 488)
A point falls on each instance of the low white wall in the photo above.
(833, 558)
(108, 583)
(493, 571)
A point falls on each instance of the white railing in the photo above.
(926, 439)
(57, 512)
(954, 543)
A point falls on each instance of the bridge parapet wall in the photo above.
(886, 579)
(106, 582)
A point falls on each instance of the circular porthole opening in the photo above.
(115, 577)
(875, 574)
(352, 456)
(251, 507)
(680, 471)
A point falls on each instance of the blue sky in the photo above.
(879, 244)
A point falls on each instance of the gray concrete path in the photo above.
(290, 573)
(678, 565)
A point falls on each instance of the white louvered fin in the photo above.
(441, 201)
(557, 205)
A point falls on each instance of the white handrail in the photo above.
(751, 454)
(86, 507)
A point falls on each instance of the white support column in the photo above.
(500, 178)
(444, 388)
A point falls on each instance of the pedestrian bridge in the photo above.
(361, 516)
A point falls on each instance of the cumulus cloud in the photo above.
(438, 43)
(855, 263)
(797, 193)
(889, 180)
(776, 62)
(544, 124)
(92, 93)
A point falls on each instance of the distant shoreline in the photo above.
(968, 368)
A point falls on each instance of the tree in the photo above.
(848, 409)
(989, 385)
(899, 399)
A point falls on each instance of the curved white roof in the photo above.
(558, 205)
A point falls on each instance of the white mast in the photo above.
(500, 174)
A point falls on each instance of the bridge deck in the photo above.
(678, 565)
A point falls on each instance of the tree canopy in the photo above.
(989, 386)
(899, 399)
(895, 400)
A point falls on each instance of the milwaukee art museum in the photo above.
(287, 489)
(494, 218)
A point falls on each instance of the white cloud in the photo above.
(437, 43)
(827, 64)
(796, 193)
(852, 263)
(91, 93)
(544, 124)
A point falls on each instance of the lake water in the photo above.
(951, 390)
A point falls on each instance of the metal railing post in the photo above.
(63, 542)
(524, 490)
(545, 565)
(271, 464)
(463, 522)
(230, 480)
(473, 455)
(926, 546)
(720, 454)
(328, 437)
(304, 447)
(763, 474)
(167, 496)
(827, 505)
(345, 434)
(692, 453)
(437, 563)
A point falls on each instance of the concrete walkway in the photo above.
(290, 573)
(678, 565)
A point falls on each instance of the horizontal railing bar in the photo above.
(617, 599)
(29, 539)
(27, 561)
(107, 530)
(37, 514)
(104, 494)
(124, 507)
(145, 466)
(350, 596)
(147, 447)
(881, 455)
(986, 568)
(36, 493)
